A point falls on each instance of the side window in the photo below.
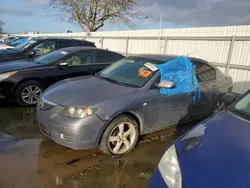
(204, 72)
(81, 58)
(106, 57)
(45, 47)
(65, 44)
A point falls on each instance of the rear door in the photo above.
(45, 47)
(78, 64)
(206, 76)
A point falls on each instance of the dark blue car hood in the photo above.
(9, 52)
(216, 153)
(17, 65)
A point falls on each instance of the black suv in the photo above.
(39, 46)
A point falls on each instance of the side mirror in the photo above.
(32, 54)
(63, 64)
(166, 84)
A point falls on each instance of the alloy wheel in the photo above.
(122, 138)
(31, 94)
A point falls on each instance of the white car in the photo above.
(7, 39)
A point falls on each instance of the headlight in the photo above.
(6, 75)
(170, 169)
(78, 112)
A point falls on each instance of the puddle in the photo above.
(27, 159)
(5, 138)
(18, 122)
(68, 168)
(18, 163)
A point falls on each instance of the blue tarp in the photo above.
(182, 72)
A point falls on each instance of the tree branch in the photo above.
(92, 14)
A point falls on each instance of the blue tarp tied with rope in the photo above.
(182, 72)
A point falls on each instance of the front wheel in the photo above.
(120, 137)
(28, 93)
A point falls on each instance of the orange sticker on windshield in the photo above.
(145, 73)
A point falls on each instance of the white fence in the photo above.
(227, 47)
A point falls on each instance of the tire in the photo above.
(126, 143)
(219, 106)
(24, 88)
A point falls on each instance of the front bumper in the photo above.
(70, 132)
(157, 181)
(6, 89)
(1, 94)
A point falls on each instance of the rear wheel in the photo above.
(120, 137)
(219, 106)
(28, 93)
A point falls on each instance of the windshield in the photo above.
(19, 41)
(131, 71)
(51, 57)
(25, 45)
(242, 107)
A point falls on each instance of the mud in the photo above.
(27, 159)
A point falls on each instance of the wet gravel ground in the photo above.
(27, 159)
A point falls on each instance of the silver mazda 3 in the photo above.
(111, 109)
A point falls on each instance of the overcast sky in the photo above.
(30, 15)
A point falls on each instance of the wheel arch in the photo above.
(25, 80)
(131, 114)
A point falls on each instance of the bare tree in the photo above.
(92, 14)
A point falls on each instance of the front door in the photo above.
(164, 110)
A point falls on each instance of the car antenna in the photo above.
(192, 52)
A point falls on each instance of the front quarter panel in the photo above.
(135, 103)
(42, 74)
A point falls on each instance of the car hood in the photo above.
(4, 46)
(84, 91)
(17, 65)
(9, 51)
(216, 153)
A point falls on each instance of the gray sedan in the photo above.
(113, 108)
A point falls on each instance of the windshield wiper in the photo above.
(113, 81)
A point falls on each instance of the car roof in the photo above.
(59, 38)
(79, 48)
(164, 58)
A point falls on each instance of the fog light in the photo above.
(66, 138)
